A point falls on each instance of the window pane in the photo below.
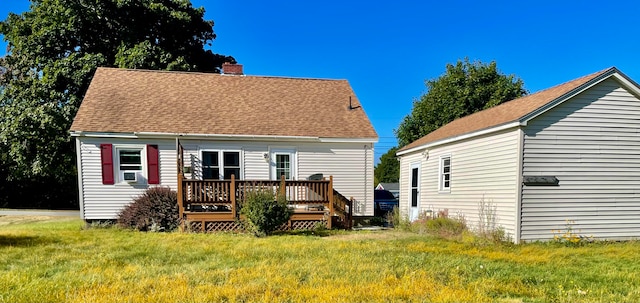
(229, 171)
(414, 177)
(446, 173)
(211, 173)
(283, 166)
(209, 158)
(231, 159)
(282, 161)
(414, 197)
(130, 159)
(280, 172)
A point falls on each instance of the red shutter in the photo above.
(153, 167)
(106, 156)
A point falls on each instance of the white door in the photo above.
(283, 163)
(414, 192)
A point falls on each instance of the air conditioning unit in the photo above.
(129, 176)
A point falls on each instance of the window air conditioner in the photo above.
(129, 176)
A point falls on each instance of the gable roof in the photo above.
(516, 110)
(144, 101)
(389, 186)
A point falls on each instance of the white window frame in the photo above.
(141, 174)
(293, 158)
(442, 174)
(221, 161)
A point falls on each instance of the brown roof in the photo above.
(504, 113)
(127, 101)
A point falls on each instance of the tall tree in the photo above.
(465, 88)
(388, 170)
(53, 50)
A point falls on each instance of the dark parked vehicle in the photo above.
(384, 202)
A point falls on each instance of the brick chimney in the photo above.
(231, 69)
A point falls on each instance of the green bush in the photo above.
(155, 210)
(446, 227)
(264, 212)
(441, 226)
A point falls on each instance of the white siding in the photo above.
(350, 164)
(481, 168)
(255, 166)
(591, 144)
(105, 201)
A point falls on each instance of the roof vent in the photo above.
(231, 69)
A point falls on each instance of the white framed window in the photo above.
(129, 163)
(221, 164)
(445, 173)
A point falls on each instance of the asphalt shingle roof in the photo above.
(510, 111)
(127, 101)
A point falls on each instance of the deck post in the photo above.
(350, 213)
(180, 193)
(330, 219)
(180, 199)
(283, 185)
(232, 194)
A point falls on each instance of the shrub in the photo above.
(263, 212)
(446, 227)
(440, 226)
(155, 210)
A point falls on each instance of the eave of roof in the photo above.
(513, 113)
(139, 135)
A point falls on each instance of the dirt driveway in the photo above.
(13, 216)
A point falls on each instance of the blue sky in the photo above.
(387, 49)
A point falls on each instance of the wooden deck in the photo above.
(213, 205)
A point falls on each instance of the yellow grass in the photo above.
(61, 262)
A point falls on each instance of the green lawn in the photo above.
(58, 261)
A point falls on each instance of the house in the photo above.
(134, 126)
(564, 157)
(394, 188)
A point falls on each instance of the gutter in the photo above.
(137, 135)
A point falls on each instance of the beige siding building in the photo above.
(567, 153)
(255, 128)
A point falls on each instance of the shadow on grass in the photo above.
(23, 241)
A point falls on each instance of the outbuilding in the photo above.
(567, 157)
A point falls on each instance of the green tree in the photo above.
(53, 51)
(388, 170)
(465, 88)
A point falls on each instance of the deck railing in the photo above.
(225, 196)
(219, 200)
